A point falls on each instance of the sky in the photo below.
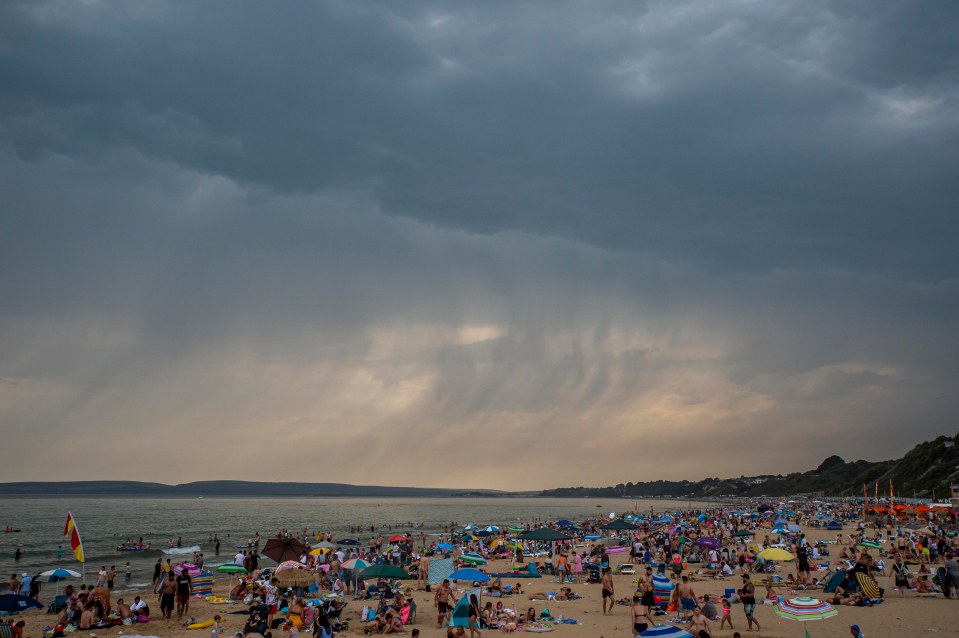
(475, 244)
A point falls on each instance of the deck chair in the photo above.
(628, 568)
(407, 613)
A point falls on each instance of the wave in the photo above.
(182, 550)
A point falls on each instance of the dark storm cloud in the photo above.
(579, 224)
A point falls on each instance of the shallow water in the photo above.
(107, 522)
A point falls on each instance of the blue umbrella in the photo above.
(469, 574)
(59, 574)
(444, 547)
(665, 631)
(14, 604)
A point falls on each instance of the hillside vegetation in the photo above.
(925, 471)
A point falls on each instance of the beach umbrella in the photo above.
(871, 545)
(59, 574)
(544, 534)
(231, 569)
(192, 570)
(795, 529)
(397, 538)
(324, 545)
(348, 541)
(619, 524)
(444, 547)
(515, 529)
(470, 575)
(564, 522)
(356, 563)
(470, 537)
(319, 551)
(384, 571)
(282, 549)
(775, 553)
(869, 586)
(14, 604)
(295, 578)
(665, 631)
(707, 541)
(56, 575)
(491, 528)
(288, 565)
(804, 609)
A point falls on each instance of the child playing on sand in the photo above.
(727, 614)
(215, 632)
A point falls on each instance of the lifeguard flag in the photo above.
(71, 532)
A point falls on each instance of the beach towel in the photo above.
(440, 570)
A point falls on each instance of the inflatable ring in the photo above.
(201, 625)
(539, 627)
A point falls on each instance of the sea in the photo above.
(105, 523)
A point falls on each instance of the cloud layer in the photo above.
(620, 241)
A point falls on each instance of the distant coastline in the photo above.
(228, 489)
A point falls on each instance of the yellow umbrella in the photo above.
(318, 551)
(775, 553)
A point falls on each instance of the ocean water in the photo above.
(106, 522)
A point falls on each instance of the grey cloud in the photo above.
(579, 226)
(749, 136)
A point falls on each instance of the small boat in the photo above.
(10, 530)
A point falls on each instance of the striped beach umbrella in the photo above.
(665, 631)
(355, 563)
(805, 608)
(869, 586)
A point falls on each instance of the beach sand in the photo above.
(896, 617)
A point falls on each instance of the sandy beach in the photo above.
(895, 617)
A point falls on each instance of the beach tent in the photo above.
(834, 525)
(852, 586)
(544, 534)
(461, 612)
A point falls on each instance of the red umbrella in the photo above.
(397, 538)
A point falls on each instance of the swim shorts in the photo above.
(607, 593)
(749, 609)
(689, 604)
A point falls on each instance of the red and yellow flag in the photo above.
(70, 531)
